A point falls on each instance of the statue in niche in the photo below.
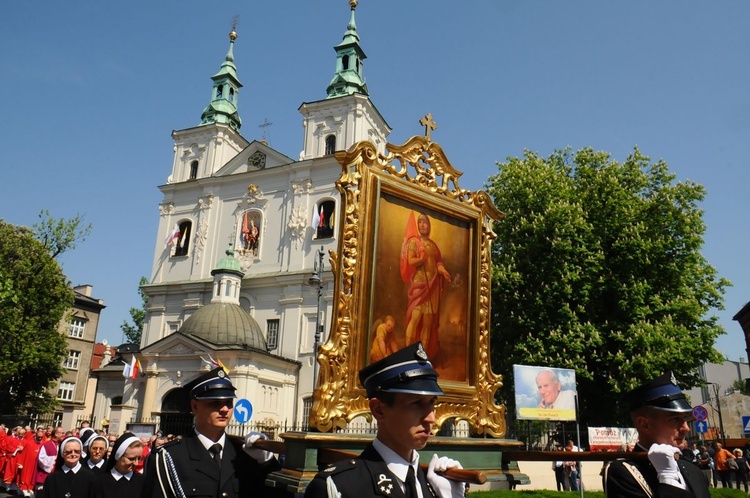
(250, 233)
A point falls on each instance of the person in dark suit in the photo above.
(660, 413)
(208, 462)
(402, 389)
(70, 479)
(120, 479)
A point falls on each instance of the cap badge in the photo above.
(221, 374)
(672, 378)
(421, 352)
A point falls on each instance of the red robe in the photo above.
(13, 453)
(28, 460)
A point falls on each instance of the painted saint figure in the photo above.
(250, 234)
(384, 344)
(423, 269)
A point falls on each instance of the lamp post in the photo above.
(316, 280)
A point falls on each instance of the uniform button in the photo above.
(225, 494)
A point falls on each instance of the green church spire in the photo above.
(223, 105)
(349, 56)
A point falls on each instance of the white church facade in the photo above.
(240, 230)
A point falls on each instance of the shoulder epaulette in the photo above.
(342, 466)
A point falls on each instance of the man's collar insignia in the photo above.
(421, 352)
(330, 469)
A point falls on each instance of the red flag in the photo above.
(173, 237)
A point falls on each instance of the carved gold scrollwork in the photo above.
(424, 170)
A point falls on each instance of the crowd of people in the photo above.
(720, 465)
(50, 462)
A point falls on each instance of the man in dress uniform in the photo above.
(402, 389)
(207, 462)
(660, 413)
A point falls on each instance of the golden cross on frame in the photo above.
(429, 125)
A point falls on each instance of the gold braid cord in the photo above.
(419, 169)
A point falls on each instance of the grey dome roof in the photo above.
(226, 325)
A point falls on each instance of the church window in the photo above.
(181, 245)
(65, 391)
(272, 334)
(306, 407)
(76, 328)
(345, 62)
(324, 219)
(231, 95)
(219, 91)
(194, 170)
(330, 144)
(73, 360)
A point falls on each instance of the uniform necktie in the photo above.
(215, 451)
(411, 484)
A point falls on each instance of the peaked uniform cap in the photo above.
(408, 370)
(661, 393)
(212, 385)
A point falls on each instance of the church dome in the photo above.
(225, 324)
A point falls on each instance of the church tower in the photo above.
(201, 150)
(347, 115)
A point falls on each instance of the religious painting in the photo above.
(421, 276)
(413, 264)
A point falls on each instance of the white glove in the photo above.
(257, 454)
(662, 458)
(442, 486)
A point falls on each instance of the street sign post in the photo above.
(701, 427)
(243, 410)
(746, 424)
(700, 413)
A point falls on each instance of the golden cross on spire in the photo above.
(429, 125)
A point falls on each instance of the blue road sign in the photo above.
(243, 410)
(746, 424)
(701, 427)
(699, 413)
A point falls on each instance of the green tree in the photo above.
(59, 235)
(134, 330)
(34, 297)
(597, 267)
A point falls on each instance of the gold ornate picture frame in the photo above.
(414, 264)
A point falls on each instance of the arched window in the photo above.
(193, 170)
(219, 91)
(231, 95)
(183, 242)
(324, 220)
(345, 62)
(330, 144)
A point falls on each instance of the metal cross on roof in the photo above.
(429, 125)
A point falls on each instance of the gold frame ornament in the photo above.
(416, 174)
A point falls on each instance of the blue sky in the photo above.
(91, 91)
